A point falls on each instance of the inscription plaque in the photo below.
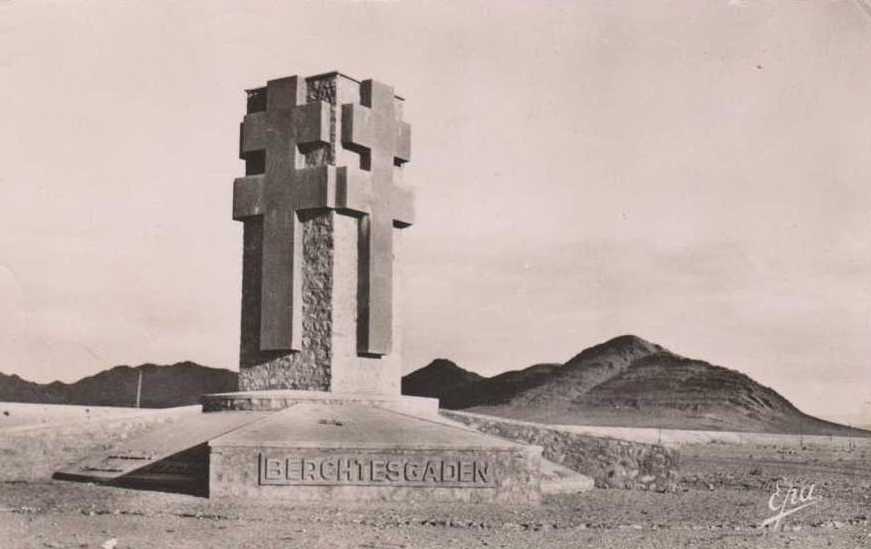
(374, 470)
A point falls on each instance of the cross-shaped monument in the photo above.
(271, 140)
(319, 416)
(384, 143)
(317, 150)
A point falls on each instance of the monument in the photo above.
(322, 203)
(319, 414)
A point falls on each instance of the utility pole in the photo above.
(850, 437)
(139, 390)
(801, 435)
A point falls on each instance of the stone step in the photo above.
(279, 399)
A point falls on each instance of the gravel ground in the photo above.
(55, 515)
(18, 414)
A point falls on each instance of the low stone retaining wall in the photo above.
(612, 463)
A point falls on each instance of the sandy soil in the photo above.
(19, 415)
(722, 499)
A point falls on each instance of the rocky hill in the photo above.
(630, 382)
(178, 384)
(500, 389)
(438, 379)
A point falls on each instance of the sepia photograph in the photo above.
(418, 274)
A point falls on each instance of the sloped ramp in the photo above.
(173, 457)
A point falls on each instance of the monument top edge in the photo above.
(326, 74)
(316, 395)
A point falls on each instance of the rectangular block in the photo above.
(353, 190)
(328, 452)
(316, 187)
(312, 122)
(357, 130)
(403, 142)
(247, 196)
(403, 205)
(253, 133)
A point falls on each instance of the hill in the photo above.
(438, 378)
(630, 382)
(178, 384)
(500, 389)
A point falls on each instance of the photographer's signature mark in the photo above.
(787, 500)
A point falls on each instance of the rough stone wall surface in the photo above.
(308, 369)
(612, 463)
(323, 89)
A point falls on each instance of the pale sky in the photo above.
(696, 173)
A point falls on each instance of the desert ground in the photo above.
(722, 499)
(22, 415)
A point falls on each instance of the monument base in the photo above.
(318, 446)
(274, 400)
(355, 452)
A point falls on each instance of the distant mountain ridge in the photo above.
(629, 382)
(625, 381)
(177, 384)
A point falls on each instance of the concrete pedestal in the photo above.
(355, 452)
(318, 446)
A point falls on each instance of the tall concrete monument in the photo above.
(319, 414)
(322, 201)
